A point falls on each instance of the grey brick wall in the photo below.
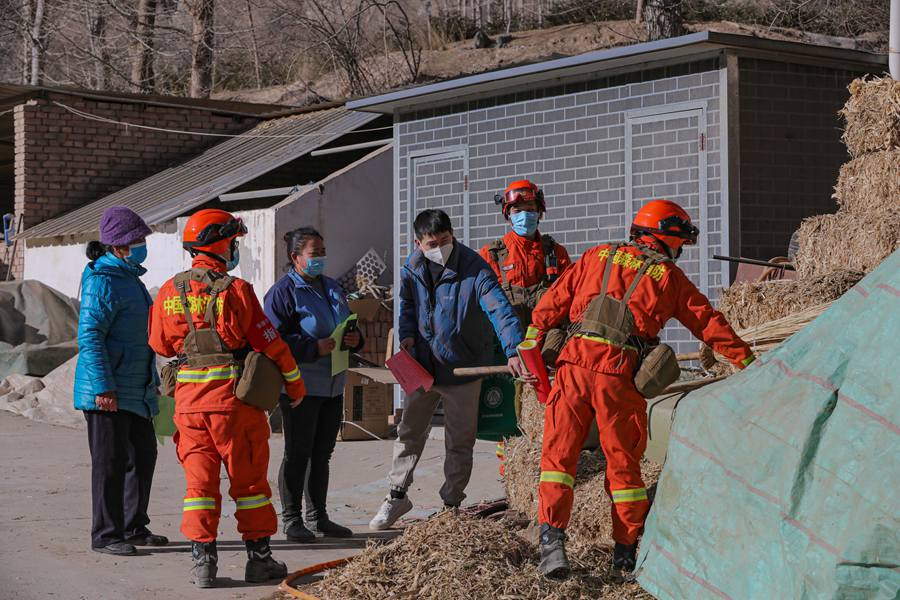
(571, 140)
(791, 149)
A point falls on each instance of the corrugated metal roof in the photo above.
(223, 167)
(590, 64)
(16, 93)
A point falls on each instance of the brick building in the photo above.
(741, 131)
(61, 148)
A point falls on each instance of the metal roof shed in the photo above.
(274, 154)
(222, 168)
(742, 131)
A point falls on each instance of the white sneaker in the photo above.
(391, 510)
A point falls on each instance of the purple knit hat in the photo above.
(120, 226)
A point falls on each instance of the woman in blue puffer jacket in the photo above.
(306, 306)
(116, 383)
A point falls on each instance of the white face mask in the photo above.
(439, 255)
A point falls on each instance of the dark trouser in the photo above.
(310, 433)
(123, 456)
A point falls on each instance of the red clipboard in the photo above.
(409, 373)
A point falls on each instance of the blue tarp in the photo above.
(783, 481)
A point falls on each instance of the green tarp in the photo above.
(783, 481)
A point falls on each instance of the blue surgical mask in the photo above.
(315, 265)
(524, 223)
(235, 259)
(137, 253)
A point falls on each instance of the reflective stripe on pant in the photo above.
(460, 426)
(239, 439)
(578, 395)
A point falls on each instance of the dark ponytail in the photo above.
(297, 238)
(95, 250)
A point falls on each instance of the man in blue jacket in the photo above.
(449, 299)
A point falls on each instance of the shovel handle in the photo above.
(481, 371)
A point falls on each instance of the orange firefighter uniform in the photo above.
(525, 265)
(213, 426)
(595, 378)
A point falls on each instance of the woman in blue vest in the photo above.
(116, 382)
(306, 306)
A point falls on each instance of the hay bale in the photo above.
(531, 414)
(855, 241)
(457, 557)
(749, 304)
(873, 115)
(870, 183)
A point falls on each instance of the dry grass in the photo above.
(749, 304)
(531, 414)
(873, 115)
(855, 241)
(457, 557)
(870, 183)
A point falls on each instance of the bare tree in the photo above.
(663, 18)
(202, 47)
(143, 77)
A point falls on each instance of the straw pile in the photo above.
(857, 241)
(873, 115)
(590, 522)
(457, 557)
(866, 228)
(749, 304)
(763, 337)
(870, 183)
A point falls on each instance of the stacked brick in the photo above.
(375, 326)
(65, 160)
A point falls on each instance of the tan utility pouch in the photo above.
(658, 370)
(553, 345)
(260, 382)
(167, 378)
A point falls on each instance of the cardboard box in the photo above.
(368, 401)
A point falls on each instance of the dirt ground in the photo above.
(45, 517)
(462, 58)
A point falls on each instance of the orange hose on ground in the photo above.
(287, 588)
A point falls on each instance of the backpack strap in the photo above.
(551, 264)
(499, 253)
(181, 284)
(607, 272)
(219, 285)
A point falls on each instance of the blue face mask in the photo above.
(315, 266)
(137, 254)
(524, 223)
(235, 259)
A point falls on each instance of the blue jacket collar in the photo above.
(111, 264)
(301, 282)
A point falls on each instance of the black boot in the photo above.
(554, 562)
(297, 532)
(261, 566)
(624, 557)
(329, 528)
(206, 559)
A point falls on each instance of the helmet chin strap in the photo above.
(194, 252)
(673, 254)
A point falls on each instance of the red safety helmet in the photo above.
(667, 222)
(211, 231)
(520, 191)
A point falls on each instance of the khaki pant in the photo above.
(460, 425)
